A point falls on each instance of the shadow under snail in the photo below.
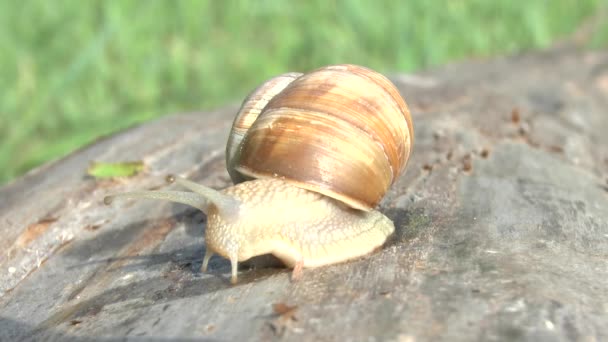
(311, 156)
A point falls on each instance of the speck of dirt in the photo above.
(484, 153)
(427, 167)
(285, 316)
(284, 310)
(522, 131)
(556, 149)
(92, 227)
(385, 293)
(467, 164)
(515, 117)
(75, 322)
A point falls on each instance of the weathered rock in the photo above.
(502, 227)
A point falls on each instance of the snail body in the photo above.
(300, 227)
(311, 156)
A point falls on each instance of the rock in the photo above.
(502, 227)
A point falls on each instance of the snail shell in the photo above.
(342, 131)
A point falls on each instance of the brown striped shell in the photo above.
(342, 131)
(251, 108)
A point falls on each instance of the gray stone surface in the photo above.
(502, 228)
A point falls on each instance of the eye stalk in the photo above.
(201, 197)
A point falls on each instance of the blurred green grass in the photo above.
(73, 70)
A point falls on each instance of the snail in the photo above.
(311, 156)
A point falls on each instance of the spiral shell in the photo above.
(343, 131)
(252, 107)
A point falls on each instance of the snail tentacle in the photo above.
(234, 265)
(226, 205)
(190, 198)
(202, 198)
(208, 254)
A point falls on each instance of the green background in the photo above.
(71, 71)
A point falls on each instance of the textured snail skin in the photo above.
(293, 224)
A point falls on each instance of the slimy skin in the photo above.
(270, 216)
(293, 224)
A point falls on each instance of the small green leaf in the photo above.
(109, 170)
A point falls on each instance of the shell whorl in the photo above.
(342, 131)
(250, 109)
